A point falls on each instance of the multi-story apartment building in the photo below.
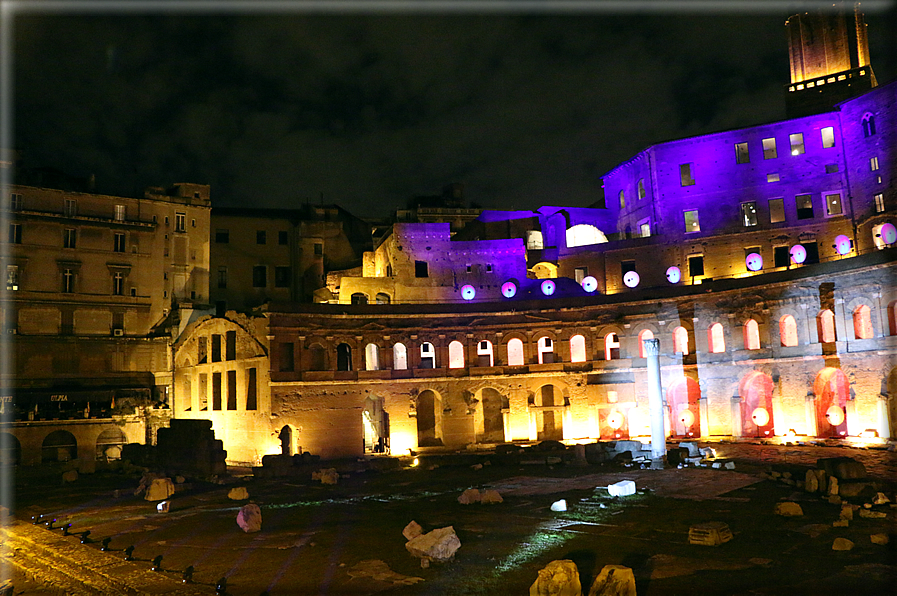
(95, 287)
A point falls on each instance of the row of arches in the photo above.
(545, 346)
(62, 446)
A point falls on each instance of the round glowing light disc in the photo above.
(754, 262)
(548, 287)
(687, 418)
(509, 289)
(631, 279)
(834, 415)
(589, 284)
(798, 254)
(888, 233)
(760, 417)
(674, 275)
(615, 420)
(842, 244)
(468, 292)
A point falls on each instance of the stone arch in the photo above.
(516, 352)
(375, 421)
(832, 391)
(110, 443)
(680, 340)
(317, 356)
(716, 338)
(683, 401)
(372, 357)
(399, 356)
(429, 418)
(10, 449)
(59, 446)
(825, 326)
(494, 409)
(545, 270)
(788, 331)
(546, 348)
(643, 334)
(551, 407)
(862, 322)
(382, 298)
(249, 347)
(343, 356)
(756, 389)
(359, 298)
(751, 334)
(485, 353)
(578, 352)
(584, 235)
(456, 354)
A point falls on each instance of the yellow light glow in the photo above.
(615, 420)
(400, 443)
(415, 462)
(687, 418)
(760, 417)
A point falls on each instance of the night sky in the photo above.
(274, 108)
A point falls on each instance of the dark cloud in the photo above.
(372, 109)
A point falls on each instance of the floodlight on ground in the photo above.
(129, 552)
(36, 519)
(105, 543)
(157, 563)
(221, 587)
(188, 575)
(65, 529)
(85, 537)
(50, 523)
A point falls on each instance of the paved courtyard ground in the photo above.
(347, 538)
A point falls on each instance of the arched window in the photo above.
(641, 189)
(382, 298)
(680, 340)
(751, 335)
(359, 298)
(372, 357)
(622, 200)
(611, 347)
(868, 125)
(788, 331)
(484, 353)
(533, 240)
(825, 326)
(584, 235)
(716, 339)
(343, 357)
(862, 322)
(456, 355)
(427, 355)
(643, 335)
(399, 357)
(546, 350)
(577, 349)
(515, 352)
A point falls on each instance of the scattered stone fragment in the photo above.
(856, 488)
(842, 544)
(879, 539)
(69, 476)
(693, 450)
(491, 496)
(163, 507)
(841, 523)
(788, 509)
(412, 530)
(249, 518)
(238, 494)
(868, 514)
(729, 465)
(160, 489)
(476, 467)
(179, 480)
(471, 495)
(846, 511)
(832, 485)
(880, 499)
(614, 580)
(380, 571)
(709, 534)
(811, 483)
(843, 468)
(558, 578)
(559, 505)
(622, 488)
(326, 476)
(439, 545)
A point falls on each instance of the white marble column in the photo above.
(655, 403)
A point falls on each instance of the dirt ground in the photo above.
(347, 538)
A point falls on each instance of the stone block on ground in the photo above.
(832, 485)
(163, 507)
(811, 482)
(846, 511)
(249, 518)
(842, 468)
(439, 545)
(560, 505)
(326, 476)
(849, 489)
(788, 509)
(841, 523)
(596, 453)
(490, 497)
(238, 493)
(160, 489)
(693, 449)
(842, 544)
(412, 530)
(471, 495)
(558, 578)
(869, 514)
(880, 499)
(622, 488)
(70, 476)
(614, 580)
(879, 539)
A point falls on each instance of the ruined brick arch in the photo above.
(751, 334)
(491, 415)
(832, 391)
(682, 340)
(862, 311)
(10, 449)
(318, 358)
(421, 356)
(716, 338)
(579, 351)
(825, 326)
(788, 327)
(207, 326)
(546, 348)
(428, 408)
(756, 390)
(550, 404)
(608, 351)
(345, 350)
